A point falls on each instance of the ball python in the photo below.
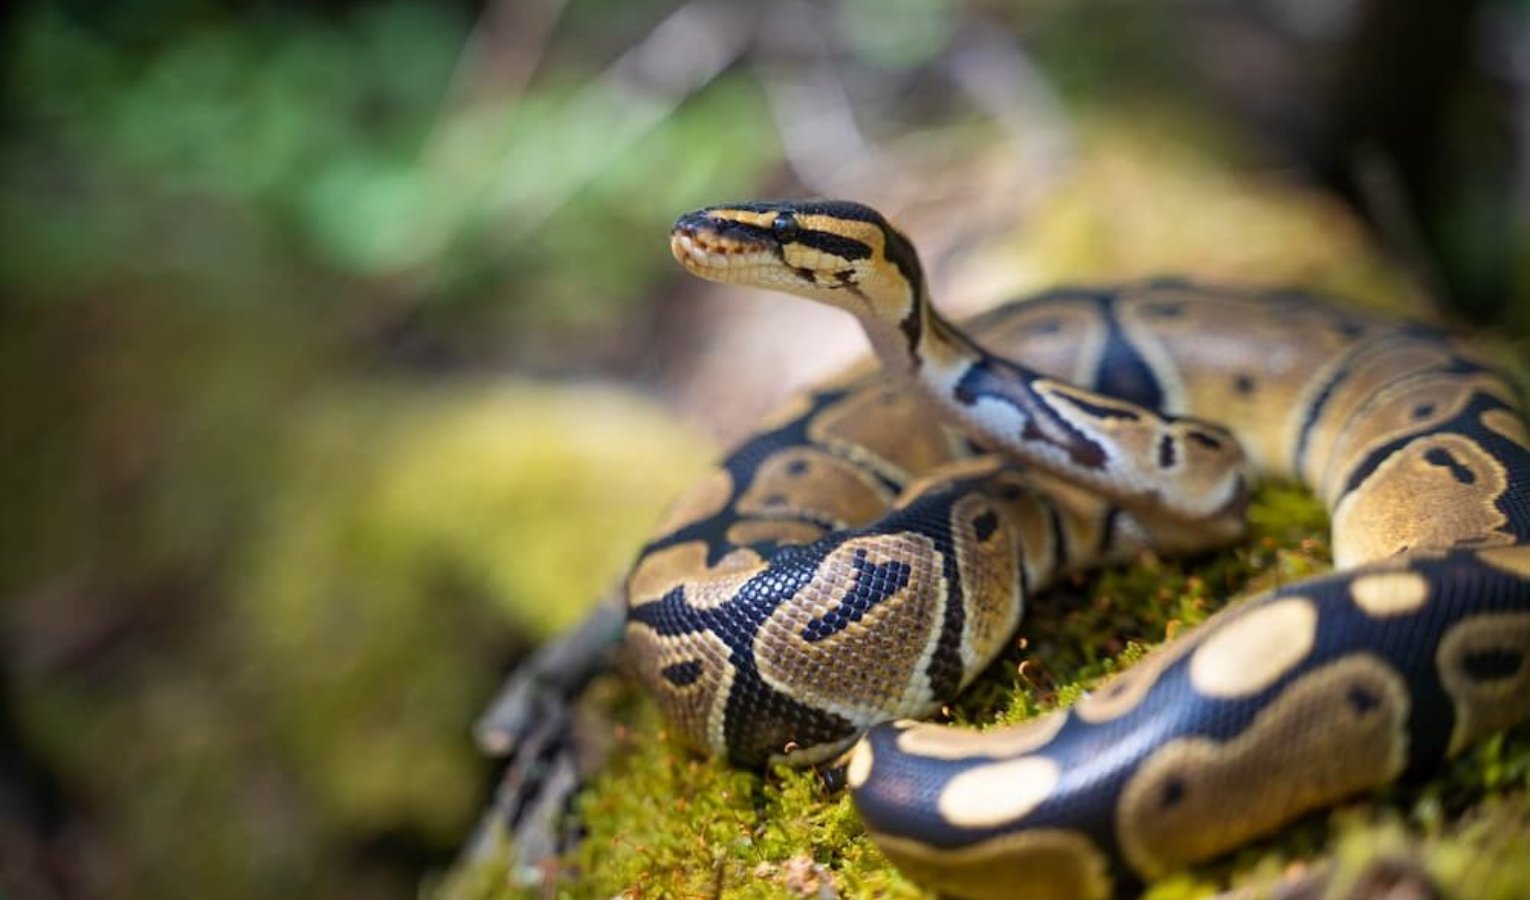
(856, 562)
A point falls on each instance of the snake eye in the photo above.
(784, 227)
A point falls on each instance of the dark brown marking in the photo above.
(1492, 665)
(1349, 328)
(1439, 456)
(985, 525)
(1166, 452)
(912, 326)
(1173, 792)
(1244, 383)
(874, 583)
(1204, 439)
(1361, 700)
(682, 674)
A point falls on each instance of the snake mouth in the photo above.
(721, 249)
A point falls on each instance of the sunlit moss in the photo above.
(414, 532)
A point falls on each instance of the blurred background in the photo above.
(343, 361)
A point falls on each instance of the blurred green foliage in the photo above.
(199, 153)
(262, 557)
(207, 162)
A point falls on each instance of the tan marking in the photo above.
(1514, 560)
(779, 531)
(1200, 355)
(1040, 864)
(1336, 731)
(874, 668)
(860, 765)
(1082, 515)
(696, 711)
(1123, 692)
(1064, 341)
(1253, 650)
(1507, 424)
(868, 233)
(747, 216)
(945, 742)
(1410, 407)
(1377, 364)
(804, 481)
(997, 793)
(686, 565)
(705, 498)
(1390, 593)
(1037, 549)
(1204, 477)
(1381, 516)
(1483, 707)
(973, 467)
(990, 576)
(889, 427)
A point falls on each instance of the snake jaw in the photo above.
(723, 252)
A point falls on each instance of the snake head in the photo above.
(833, 251)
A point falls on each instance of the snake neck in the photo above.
(921, 337)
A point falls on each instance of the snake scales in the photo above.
(862, 557)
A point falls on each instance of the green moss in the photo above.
(414, 529)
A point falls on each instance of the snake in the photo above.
(864, 554)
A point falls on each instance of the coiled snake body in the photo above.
(865, 554)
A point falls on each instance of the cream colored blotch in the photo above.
(1390, 593)
(992, 794)
(1252, 652)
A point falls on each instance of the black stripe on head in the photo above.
(839, 209)
(829, 242)
(897, 248)
(711, 220)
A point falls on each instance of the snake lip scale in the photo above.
(859, 559)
